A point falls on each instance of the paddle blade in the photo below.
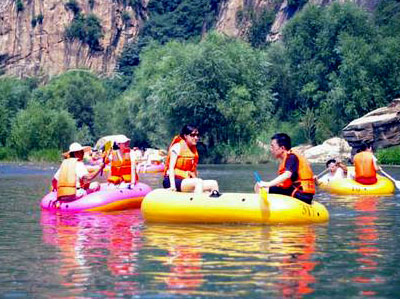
(264, 194)
(257, 177)
(107, 146)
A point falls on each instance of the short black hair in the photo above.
(365, 145)
(329, 162)
(283, 139)
(187, 129)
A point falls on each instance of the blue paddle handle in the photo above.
(257, 177)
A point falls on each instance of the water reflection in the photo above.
(279, 259)
(95, 245)
(366, 244)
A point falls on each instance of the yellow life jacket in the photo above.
(67, 181)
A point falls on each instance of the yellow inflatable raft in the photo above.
(383, 186)
(162, 205)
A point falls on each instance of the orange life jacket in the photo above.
(305, 176)
(66, 185)
(364, 165)
(121, 168)
(186, 163)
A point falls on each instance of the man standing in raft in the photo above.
(180, 172)
(123, 164)
(72, 179)
(295, 178)
(365, 165)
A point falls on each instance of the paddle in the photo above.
(263, 191)
(107, 148)
(322, 172)
(396, 183)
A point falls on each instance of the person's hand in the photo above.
(172, 188)
(263, 184)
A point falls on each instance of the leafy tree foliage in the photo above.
(179, 19)
(14, 95)
(39, 127)
(77, 92)
(220, 85)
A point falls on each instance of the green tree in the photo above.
(76, 91)
(14, 94)
(39, 127)
(207, 84)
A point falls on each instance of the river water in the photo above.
(85, 255)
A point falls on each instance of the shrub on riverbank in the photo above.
(7, 154)
(45, 155)
(389, 155)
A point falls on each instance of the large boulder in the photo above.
(333, 148)
(381, 127)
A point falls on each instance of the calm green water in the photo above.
(108, 255)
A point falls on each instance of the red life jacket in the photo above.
(186, 163)
(305, 176)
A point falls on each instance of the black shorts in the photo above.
(305, 197)
(166, 183)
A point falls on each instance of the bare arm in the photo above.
(276, 181)
(171, 169)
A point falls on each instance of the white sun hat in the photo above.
(75, 147)
(122, 139)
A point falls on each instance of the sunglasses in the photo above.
(194, 134)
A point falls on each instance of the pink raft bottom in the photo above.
(151, 168)
(108, 198)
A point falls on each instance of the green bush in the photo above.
(38, 127)
(45, 155)
(7, 154)
(389, 155)
(86, 29)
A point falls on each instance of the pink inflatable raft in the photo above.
(108, 198)
(151, 168)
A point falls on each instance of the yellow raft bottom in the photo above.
(383, 186)
(162, 205)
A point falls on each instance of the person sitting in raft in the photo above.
(122, 164)
(72, 179)
(180, 172)
(365, 165)
(337, 170)
(295, 177)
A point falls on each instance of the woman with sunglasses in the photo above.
(181, 166)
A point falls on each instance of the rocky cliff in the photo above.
(381, 127)
(33, 42)
(33, 39)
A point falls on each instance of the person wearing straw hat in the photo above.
(72, 179)
(123, 164)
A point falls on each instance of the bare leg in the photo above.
(192, 185)
(210, 185)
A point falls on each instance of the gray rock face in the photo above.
(381, 127)
(333, 148)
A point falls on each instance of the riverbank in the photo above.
(256, 155)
